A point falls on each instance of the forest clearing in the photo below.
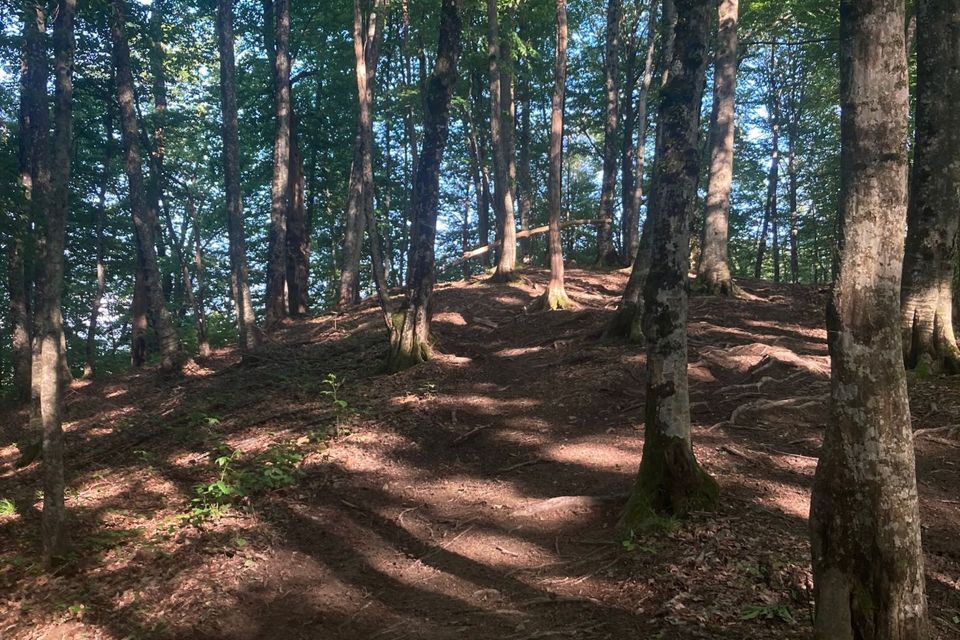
(437, 511)
(507, 319)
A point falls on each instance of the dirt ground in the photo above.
(473, 497)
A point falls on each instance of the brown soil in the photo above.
(472, 497)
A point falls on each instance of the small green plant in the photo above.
(7, 508)
(775, 611)
(341, 407)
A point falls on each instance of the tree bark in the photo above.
(670, 482)
(555, 297)
(248, 332)
(480, 175)
(626, 322)
(503, 190)
(524, 181)
(144, 218)
(100, 272)
(52, 382)
(297, 238)
(199, 310)
(276, 307)
(606, 252)
(773, 175)
(933, 219)
(410, 333)
(713, 273)
(864, 514)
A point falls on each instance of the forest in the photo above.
(484, 319)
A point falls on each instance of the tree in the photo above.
(500, 137)
(51, 337)
(670, 481)
(933, 218)
(864, 514)
(280, 185)
(100, 272)
(773, 176)
(713, 273)
(555, 297)
(606, 252)
(248, 332)
(410, 333)
(144, 217)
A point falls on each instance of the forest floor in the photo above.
(473, 497)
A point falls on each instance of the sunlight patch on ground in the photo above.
(593, 455)
(520, 351)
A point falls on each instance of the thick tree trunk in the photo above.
(933, 218)
(410, 334)
(276, 307)
(555, 297)
(248, 332)
(773, 175)
(503, 190)
(100, 272)
(144, 220)
(297, 238)
(713, 273)
(606, 252)
(52, 382)
(670, 482)
(864, 513)
(626, 322)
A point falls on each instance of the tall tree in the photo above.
(773, 174)
(144, 218)
(280, 185)
(606, 252)
(670, 481)
(503, 188)
(713, 273)
(555, 297)
(100, 272)
(249, 333)
(864, 514)
(51, 338)
(410, 334)
(933, 218)
(297, 237)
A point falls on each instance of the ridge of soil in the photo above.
(471, 497)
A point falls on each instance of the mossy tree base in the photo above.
(935, 357)
(409, 341)
(626, 324)
(715, 285)
(670, 484)
(502, 276)
(553, 300)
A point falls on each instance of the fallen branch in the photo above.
(469, 434)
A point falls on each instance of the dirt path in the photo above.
(473, 497)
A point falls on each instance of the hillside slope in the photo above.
(472, 497)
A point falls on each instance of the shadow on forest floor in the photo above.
(429, 508)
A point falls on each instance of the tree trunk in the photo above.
(503, 202)
(52, 382)
(627, 320)
(524, 182)
(280, 185)
(933, 219)
(144, 219)
(481, 178)
(713, 273)
(297, 238)
(864, 513)
(199, 310)
(670, 482)
(773, 176)
(101, 266)
(410, 333)
(606, 252)
(555, 297)
(248, 332)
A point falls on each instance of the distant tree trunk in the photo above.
(864, 513)
(503, 202)
(410, 333)
(199, 310)
(144, 220)
(481, 178)
(101, 266)
(280, 185)
(248, 332)
(297, 237)
(713, 273)
(933, 218)
(626, 321)
(52, 382)
(555, 297)
(524, 181)
(670, 481)
(773, 175)
(775, 223)
(139, 323)
(606, 252)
